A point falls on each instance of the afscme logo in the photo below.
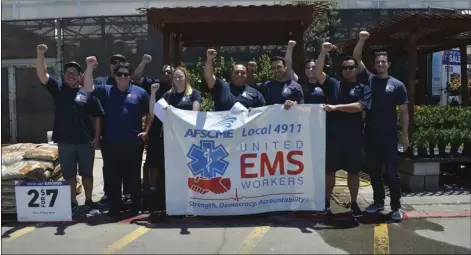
(226, 122)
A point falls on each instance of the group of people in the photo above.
(107, 112)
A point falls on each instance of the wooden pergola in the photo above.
(417, 34)
(234, 26)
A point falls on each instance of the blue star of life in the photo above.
(207, 160)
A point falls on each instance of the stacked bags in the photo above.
(31, 162)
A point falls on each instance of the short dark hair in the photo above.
(278, 58)
(117, 58)
(74, 65)
(123, 65)
(165, 67)
(381, 53)
(347, 58)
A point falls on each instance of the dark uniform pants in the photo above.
(124, 161)
(381, 150)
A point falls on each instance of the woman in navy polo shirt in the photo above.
(124, 106)
(181, 96)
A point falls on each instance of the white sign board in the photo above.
(239, 162)
(43, 201)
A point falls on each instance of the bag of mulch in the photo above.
(47, 152)
(12, 157)
(27, 169)
(19, 147)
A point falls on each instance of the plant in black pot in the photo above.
(419, 141)
(457, 137)
(443, 139)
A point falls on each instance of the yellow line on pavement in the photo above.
(381, 239)
(127, 239)
(20, 232)
(249, 243)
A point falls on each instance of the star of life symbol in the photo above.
(207, 160)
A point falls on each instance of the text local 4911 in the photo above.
(286, 153)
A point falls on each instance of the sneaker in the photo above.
(104, 199)
(375, 207)
(396, 215)
(326, 210)
(89, 203)
(355, 210)
(127, 199)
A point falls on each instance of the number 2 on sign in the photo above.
(35, 193)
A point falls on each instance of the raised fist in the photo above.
(91, 61)
(291, 44)
(211, 54)
(364, 35)
(252, 66)
(154, 87)
(327, 46)
(146, 59)
(41, 49)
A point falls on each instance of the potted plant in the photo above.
(443, 138)
(457, 137)
(431, 138)
(419, 141)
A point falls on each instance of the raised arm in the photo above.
(139, 72)
(320, 75)
(209, 68)
(289, 60)
(150, 118)
(92, 63)
(358, 51)
(41, 67)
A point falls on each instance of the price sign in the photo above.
(43, 201)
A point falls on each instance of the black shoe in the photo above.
(326, 211)
(89, 203)
(75, 208)
(375, 207)
(355, 210)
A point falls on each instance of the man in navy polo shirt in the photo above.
(76, 125)
(381, 129)
(346, 100)
(124, 104)
(226, 95)
(282, 90)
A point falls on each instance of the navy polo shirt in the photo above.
(344, 127)
(276, 92)
(386, 94)
(225, 96)
(74, 113)
(124, 111)
(315, 94)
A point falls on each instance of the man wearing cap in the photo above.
(76, 125)
(110, 80)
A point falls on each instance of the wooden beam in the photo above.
(411, 74)
(444, 22)
(464, 75)
(231, 27)
(244, 41)
(231, 14)
(176, 49)
(166, 43)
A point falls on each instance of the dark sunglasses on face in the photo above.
(115, 62)
(168, 72)
(348, 67)
(120, 74)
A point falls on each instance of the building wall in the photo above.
(44, 9)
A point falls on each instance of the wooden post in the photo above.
(464, 76)
(176, 49)
(166, 46)
(422, 79)
(411, 74)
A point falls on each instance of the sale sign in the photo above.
(43, 201)
(244, 162)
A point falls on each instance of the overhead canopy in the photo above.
(236, 25)
(432, 31)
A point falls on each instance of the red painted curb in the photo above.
(442, 214)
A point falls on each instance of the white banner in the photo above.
(239, 162)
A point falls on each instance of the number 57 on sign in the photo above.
(43, 202)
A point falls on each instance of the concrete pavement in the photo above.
(437, 223)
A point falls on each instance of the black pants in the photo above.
(381, 150)
(106, 176)
(124, 163)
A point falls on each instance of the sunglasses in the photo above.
(115, 62)
(120, 74)
(348, 67)
(168, 72)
